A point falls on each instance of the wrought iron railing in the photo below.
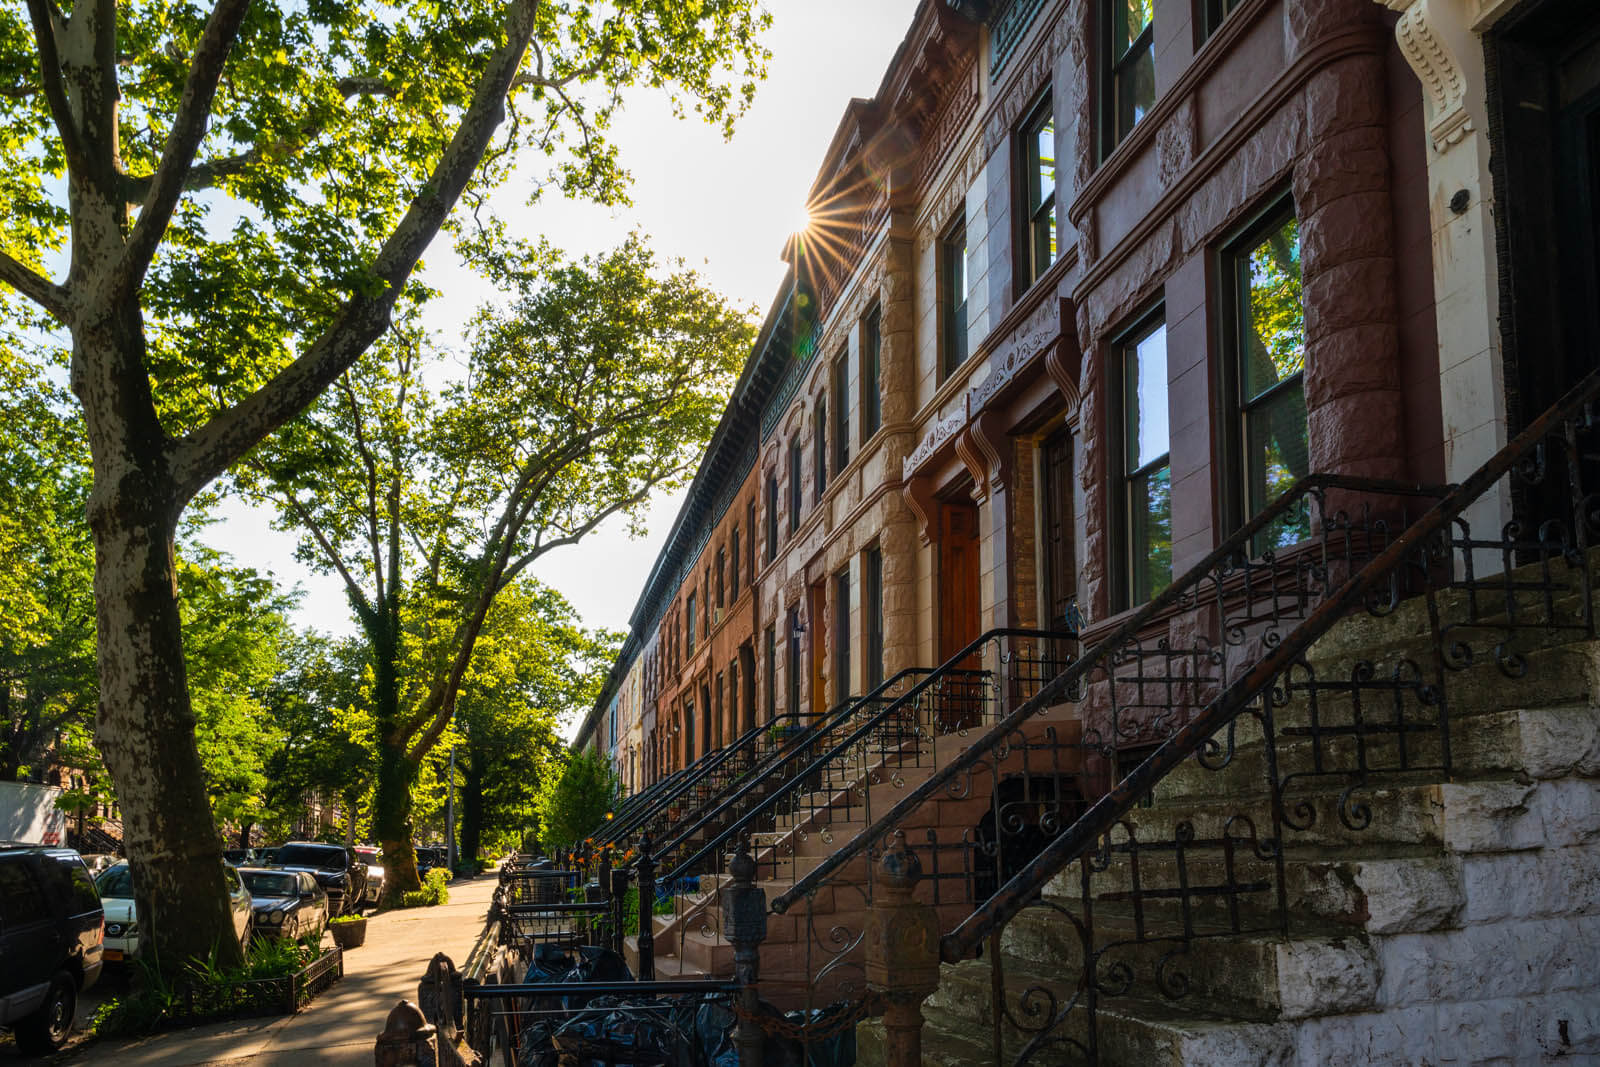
(1198, 757)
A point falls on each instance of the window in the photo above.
(819, 450)
(772, 517)
(688, 625)
(953, 296)
(1267, 333)
(841, 636)
(796, 500)
(1038, 172)
(1128, 68)
(688, 729)
(770, 680)
(871, 372)
(722, 572)
(872, 608)
(1146, 468)
(1216, 11)
(733, 565)
(705, 584)
(792, 671)
(733, 699)
(750, 524)
(841, 412)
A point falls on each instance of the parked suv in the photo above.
(337, 869)
(52, 930)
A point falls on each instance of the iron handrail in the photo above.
(779, 757)
(1115, 805)
(1051, 691)
(629, 813)
(696, 773)
(948, 667)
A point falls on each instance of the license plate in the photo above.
(111, 955)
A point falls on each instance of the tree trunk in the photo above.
(146, 728)
(391, 819)
(244, 833)
(471, 808)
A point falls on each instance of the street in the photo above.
(340, 1026)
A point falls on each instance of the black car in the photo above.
(431, 856)
(286, 903)
(52, 930)
(338, 870)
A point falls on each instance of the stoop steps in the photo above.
(1461, 926)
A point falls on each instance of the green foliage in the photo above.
(435, 890)
(204, 987)
(343, 920)
(574, 798)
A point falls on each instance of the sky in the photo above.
(725, 207)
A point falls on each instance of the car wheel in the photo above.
(47, 1029)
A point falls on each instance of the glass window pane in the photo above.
(1145, 398)
(1150, 532)
(1044, 161)
(1132, 17)
(1136, 90)
(1272, 315)
(1277, 453)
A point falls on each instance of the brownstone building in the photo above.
(1124, 332)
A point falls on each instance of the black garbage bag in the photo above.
(550, 964)
(634, 1031)
(598, 964)
(836, 1050)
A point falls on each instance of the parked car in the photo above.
(266, 857)
(51, 932)
(431, 856)
(370, 856)
(338, 870)
(286, 903)
(115, 886)
(241, 857)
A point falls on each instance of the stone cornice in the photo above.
(1444, 84)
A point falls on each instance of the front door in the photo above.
(960, 697)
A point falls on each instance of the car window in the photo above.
(266, 884)
(80, 887)
(328, 857)
(116, 882)
(233, 879)
(21, 899)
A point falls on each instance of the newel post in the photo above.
(744, 918)
(645, 868)
(408, 1039)
(619, 902)
(902, 943)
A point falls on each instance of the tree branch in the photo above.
(358, 596)
(34, 286)
(46, 18)
(203, 455)
(188, 130)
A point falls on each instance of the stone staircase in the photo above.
(1420, 910)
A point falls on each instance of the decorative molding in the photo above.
(1444, 84)
(1175, 142)
(983, 448)
(1026, 84)
(945, 131)
(933, 441)
(922, 503)
(1007, 31)
(1064, 362)
(1037, 334)
(953, 196)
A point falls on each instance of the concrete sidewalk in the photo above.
(340, 1026)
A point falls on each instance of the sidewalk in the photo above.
(340, 1026)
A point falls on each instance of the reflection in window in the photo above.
(871, 360)
(1147, 481)
(1271, 360)
(1128, 85)
(1216, 11)
(1039, 169)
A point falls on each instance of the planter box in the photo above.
(348, 935)
(261, 996)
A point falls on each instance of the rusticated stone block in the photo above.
(1352, 227)
(1364, 427)
(1525, 885)
(1490, 816)
(1569, 810)
(1353, 161)
(1559, 741)
(1341, 295)
(1409, 895)
(1309, 21)
(1344, 95)
(1353, 361)
(1325, 977)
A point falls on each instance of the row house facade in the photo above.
(1085, 286)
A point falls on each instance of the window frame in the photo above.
(772, 517)
(954, 337)
(841, 635)
(819, 448)
(840, 372)
(797, 461)
(733, 564)
(794, 661)
(1236, 410)
(1028, 186)
(872, 617)
(690, 615)
(1126, 341)
(1114, 68)
(1212, 14)
(770, 682)
(871, 373)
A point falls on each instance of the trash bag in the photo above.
(614, 1031)
(550, 964)
(838, 1050)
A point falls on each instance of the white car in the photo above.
(374, 872)
(122, 916)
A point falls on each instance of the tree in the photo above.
(576, 795)
(597, 383)
(220, 275)
(535, 667)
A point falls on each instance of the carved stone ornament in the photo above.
(936, 438)
(1444, 85)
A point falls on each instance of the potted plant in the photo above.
(349, 931)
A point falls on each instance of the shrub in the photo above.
(574, 798)
(434, 891)
(340, 920)
(155, 998)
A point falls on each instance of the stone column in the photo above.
(902, 948)
(1347, 259)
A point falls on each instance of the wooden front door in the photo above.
(816, 612)
(960, 616)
